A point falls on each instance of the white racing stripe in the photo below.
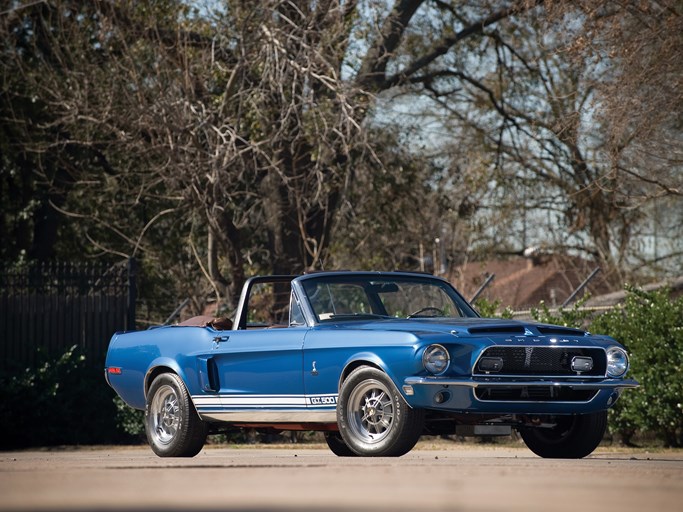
(216, 402)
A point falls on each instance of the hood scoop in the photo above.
(550, 330)
(498, 329)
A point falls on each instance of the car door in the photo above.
(259, 371)
(255, 371)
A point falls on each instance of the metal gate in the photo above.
(50, 307)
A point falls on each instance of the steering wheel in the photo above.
(424, 310)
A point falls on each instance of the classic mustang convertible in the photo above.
(372, 359)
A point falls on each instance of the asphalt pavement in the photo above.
(304, 479)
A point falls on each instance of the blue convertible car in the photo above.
(372, 359)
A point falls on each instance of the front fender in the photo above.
(374, 359)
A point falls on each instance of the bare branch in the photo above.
(445, 44)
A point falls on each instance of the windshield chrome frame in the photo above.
(298, 284)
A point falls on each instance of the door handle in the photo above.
(219, 339)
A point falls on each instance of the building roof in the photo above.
(521, 283)
(674, 285)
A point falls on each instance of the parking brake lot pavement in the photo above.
(303, 479)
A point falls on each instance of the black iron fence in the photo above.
(50, 307)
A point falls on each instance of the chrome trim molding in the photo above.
(538, 401)
(547, 402)
(284, 416)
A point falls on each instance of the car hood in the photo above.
(463, 327)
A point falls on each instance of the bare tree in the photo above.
(235, 134)
(548, 113)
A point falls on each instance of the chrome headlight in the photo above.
(617, 362)
(436, 359)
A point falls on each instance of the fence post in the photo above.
(132, 294)
(581, 287)
(482, 288)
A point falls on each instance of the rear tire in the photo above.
(374, 420)
(172, 425)
(574, 437)
(338, 446)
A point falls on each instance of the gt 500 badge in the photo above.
(322, 400)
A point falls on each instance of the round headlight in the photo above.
(436, 359)
(617, 362)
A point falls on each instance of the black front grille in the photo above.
(535, 394)
(548, 361)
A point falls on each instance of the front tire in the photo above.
(172, 425)
(374, 420)
(574, 437)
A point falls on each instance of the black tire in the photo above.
(172, 425)
(574, 437)
(373, 418)
(338, 446)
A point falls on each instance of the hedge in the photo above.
(650, 326)
(62, 402)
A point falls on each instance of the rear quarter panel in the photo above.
(139, 353)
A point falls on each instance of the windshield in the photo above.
(357, 297)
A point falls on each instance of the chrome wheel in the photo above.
(165, 415)
(173, 427)
(373, 418)
(371, 411)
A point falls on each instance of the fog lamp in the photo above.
(490, 364)
(582, 364)
(441, 397)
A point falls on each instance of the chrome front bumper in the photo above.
(517, 383)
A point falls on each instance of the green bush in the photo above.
(489, 309)
(650, 326)
(58, 402)
(129, 420)
(572, 317)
